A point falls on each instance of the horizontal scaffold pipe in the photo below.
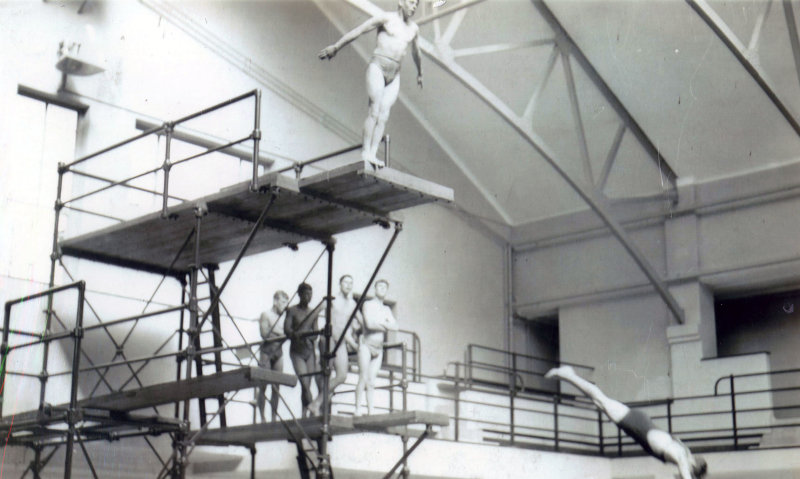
(105, 324)
(157, 356)
(212, 150)
(111, 185)
(57, 289)
(134, 187)
(320, 158)
(163, 127)
(215, 107)
(115, 146)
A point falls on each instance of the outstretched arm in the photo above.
(417, 58)
(329, 52)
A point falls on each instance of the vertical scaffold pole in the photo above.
(72, 414)
(37, 459)
(256, 140)
(54, 257)
(199, 211)
(405, 471)
(324, 459)
(386, 141)
(4, 351)
(168, 127)
(179, 358)
(253, 462)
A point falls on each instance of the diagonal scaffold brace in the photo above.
(406, 454)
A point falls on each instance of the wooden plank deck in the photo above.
(316, 207)
(210, 385)
(382, 422)
(277, 431)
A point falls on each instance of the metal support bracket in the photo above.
(422, 437)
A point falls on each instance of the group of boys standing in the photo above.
(365, 337)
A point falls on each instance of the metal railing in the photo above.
(494, 366)
(513, 414)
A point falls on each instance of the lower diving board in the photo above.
(312, 427)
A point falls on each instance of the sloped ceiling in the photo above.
(695, 102)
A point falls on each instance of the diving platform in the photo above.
(316, 207)
(311, 428)
(211, 385)
(115, 408)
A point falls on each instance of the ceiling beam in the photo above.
(526, 132)
(447, 11)
(610, 158)
(576, 116)
(539, 145)
(791, 25)
(721, 29)
(566, 41)
(500, 47)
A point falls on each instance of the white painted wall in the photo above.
(727, 235)
(443, 271)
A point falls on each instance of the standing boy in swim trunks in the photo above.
(396, 32)
(342, 307)
(377, 319)
(271, 351)
(300, 319)
(639, 426)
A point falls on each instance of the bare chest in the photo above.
(399, 30)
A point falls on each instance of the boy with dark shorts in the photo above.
(658, 443)
(300, 319)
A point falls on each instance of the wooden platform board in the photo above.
(35, 426)
(210, 385)
(121, 403)
(343, 199)
(382, 422)
(273, 431)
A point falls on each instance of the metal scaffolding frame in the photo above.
(92, 418)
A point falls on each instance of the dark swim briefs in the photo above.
(637, 424)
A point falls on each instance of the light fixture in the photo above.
(69, 63)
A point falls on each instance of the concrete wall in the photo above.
(725, 236)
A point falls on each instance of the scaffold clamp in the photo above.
(382, 223)
(200, 209)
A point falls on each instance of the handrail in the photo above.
(528, 356)
(749, 375)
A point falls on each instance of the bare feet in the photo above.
(559, 373)
(376, 163)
